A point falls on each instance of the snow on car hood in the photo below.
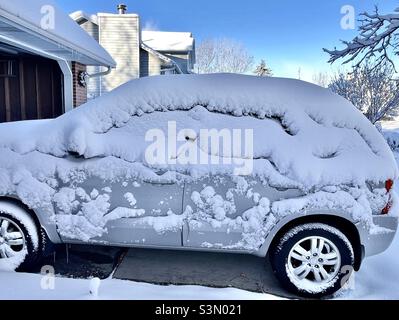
(305, 138)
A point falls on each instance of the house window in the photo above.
(8, 68)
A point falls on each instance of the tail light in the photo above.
(388, 186)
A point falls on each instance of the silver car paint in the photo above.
(156, 199)
(196, 235)
(175, 197)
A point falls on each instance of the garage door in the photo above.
(30, 88)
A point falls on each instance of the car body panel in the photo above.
(203, 233)
(154, 199)
(377, 242)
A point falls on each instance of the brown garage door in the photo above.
(30, 88)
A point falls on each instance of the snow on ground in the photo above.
(28, 286)
(378, 278)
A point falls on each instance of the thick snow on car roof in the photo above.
(302, 132)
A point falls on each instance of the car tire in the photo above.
(313, 260)
(19, 240)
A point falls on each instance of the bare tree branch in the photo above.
(223, 55)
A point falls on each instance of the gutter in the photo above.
(100, 74)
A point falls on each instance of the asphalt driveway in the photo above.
(166, 267)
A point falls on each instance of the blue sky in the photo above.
(288, 34)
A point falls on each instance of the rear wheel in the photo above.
(313, 260)
(19, 240)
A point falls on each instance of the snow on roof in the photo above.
(168, 41)
(302, 132)
(31, 14)
(78, 15)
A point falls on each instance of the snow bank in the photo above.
(305, 137)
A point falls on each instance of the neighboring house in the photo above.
(43, 55)
(137, 53)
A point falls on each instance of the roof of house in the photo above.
(81, 15)
(168, 41)
(29, 24)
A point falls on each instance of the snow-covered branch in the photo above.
(377, 40)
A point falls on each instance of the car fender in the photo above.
(44, 220)
(263, 250)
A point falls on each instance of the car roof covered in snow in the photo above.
(302, 132)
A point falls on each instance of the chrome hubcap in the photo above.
(314, 259)
(12, 240)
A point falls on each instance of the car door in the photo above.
(127, 212)
(229, 212)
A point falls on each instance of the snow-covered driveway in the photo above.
(376, 280)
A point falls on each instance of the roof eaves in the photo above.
(33, 29)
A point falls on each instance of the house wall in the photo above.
(150, 65)
(120, 36)
(34, 91)
(79, 91)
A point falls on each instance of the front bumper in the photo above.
(376, 243)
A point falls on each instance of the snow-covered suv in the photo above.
(265, 166)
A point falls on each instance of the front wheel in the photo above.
(19, 239)
(313, 260)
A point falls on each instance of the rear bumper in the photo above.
(378, 242)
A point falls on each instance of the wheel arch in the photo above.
(47, 239)
(339, 221)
